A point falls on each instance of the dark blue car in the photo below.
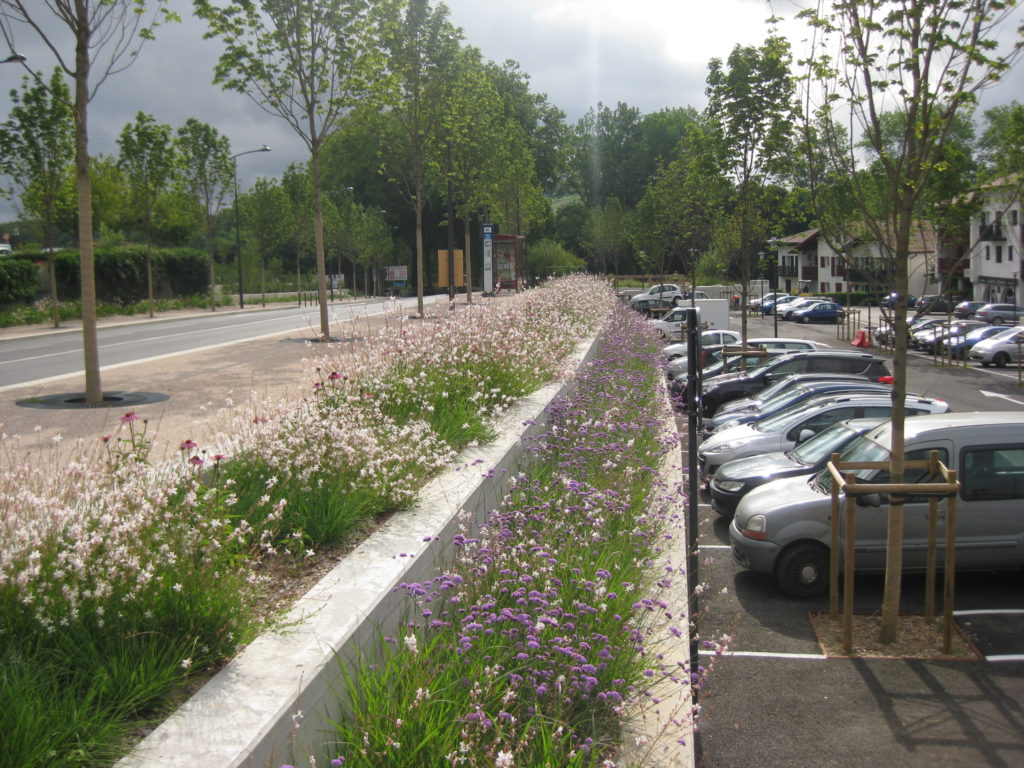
(822, 312)
(960, 346)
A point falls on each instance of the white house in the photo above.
(995, 270)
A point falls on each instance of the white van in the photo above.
(783, 527)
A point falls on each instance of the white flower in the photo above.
(503, 760)
(410, 642)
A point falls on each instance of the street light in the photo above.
(14, 58)
(238, 225)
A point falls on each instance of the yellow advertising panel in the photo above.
(442, 269)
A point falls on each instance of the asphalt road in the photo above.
(56, 354)
(773, 699)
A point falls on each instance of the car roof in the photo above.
(918, 426)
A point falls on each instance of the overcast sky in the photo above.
(651, 54)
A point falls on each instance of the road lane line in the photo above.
(766, 655)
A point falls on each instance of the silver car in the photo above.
(998, 350)
(789, 428)
(783, 528)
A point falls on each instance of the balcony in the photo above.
(809, 273)
(787, 270)
(991, 232)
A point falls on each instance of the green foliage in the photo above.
(19, 280)
(547, 257)
(121, 273)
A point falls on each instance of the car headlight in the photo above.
(756, 528)
(730, 486)
(725, 447)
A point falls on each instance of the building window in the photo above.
(1009, 253)
(999, 254)
(984, 218)
(988, 254)
(1013, 218)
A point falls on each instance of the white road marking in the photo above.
(1002, 397)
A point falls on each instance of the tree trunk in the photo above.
(419, 251)
(83, 186)
(468, 261)
(318, 231)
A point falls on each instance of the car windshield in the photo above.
(822, 445)
(784, 400)
(1009, 333)
(861, 449)
(780, 422)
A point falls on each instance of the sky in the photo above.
(651, 54)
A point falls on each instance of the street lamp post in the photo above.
(14, 58)
(238, 225)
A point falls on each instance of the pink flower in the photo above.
(334, 376)
(187, 445)
(129, 417)
(196, 461)
(106, 438)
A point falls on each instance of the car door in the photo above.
(819, 422)
(990, 509)
(873, 522)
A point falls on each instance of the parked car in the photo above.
(735, 386)
(768, 305)
(709, 338)
(716, 365)
(652, 305)
(960, 346)
(680, 364)
(662, 292)
(822, 312)
(997, 314)
(782, 386)
(755, 303)
(735, 479)
(783, 528)
(934, 304)
(925, 340)
(890, 301)
(785, 309)
(1000, 349)
(789, 399)
(966, 309)
(793, 426)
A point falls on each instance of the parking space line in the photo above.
(1005, 657)
(767, 655)
(714, 546)
(989, 611)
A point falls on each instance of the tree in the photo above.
(750, 102)
(307, 63)
(298, 189)
(148, 159)
(268, 215)
(608, 235)
(208, 172)
(421, 49)
(928, 60)
(105, 33)
(37, 146)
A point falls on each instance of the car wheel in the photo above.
(805, 319)
(984, 364)
(802, 570)
(1001, 359)
(677, 301)
(996, 320)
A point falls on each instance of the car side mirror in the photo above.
(805, 434)
(869, 500)
(769, 378)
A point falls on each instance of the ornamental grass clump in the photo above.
(538, 642)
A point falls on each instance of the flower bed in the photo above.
(119, 580)
(540, 642)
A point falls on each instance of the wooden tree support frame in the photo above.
(848, 485)
(741, 352)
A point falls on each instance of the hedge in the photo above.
(18, 280)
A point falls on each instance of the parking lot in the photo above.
(773, 698)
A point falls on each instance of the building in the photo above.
(996, 239)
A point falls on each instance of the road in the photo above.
(51, 356)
